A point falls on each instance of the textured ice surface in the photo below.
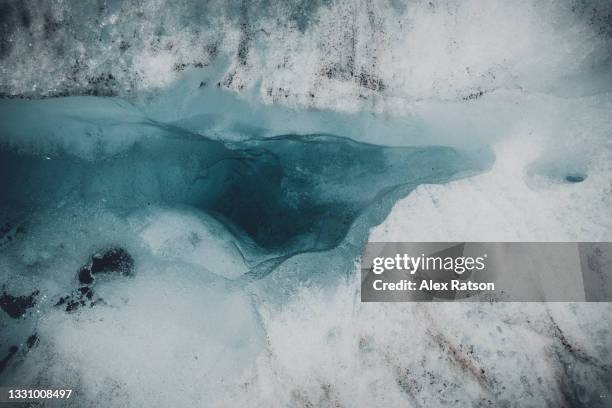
(215, 166)
(209, 224)
(323, 54)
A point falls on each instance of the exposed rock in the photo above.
(83, 296)
(32, 340)
(113, 260)
(85, 276)
(16, 306)
(474, 95)
(4, 362)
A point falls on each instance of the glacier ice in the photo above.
(204, 224)
(242, 152)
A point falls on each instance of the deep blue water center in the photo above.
(575, 178)
(284, 194)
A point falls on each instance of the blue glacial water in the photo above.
(276, 195)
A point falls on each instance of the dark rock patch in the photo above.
(113, 260)
(124, 45)
(85, 276)
(178, 67)
(371, 82)
(73, 305)
(33, 340)
(86, 291)
(83, 296)
(4, 362)
(473, 95)
(243, 45)
(102, 85)
(16, 306)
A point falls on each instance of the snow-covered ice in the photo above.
(241, 154)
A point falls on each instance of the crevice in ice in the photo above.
(279, 196)
(97, 186)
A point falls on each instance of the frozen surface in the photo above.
(242, 153)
